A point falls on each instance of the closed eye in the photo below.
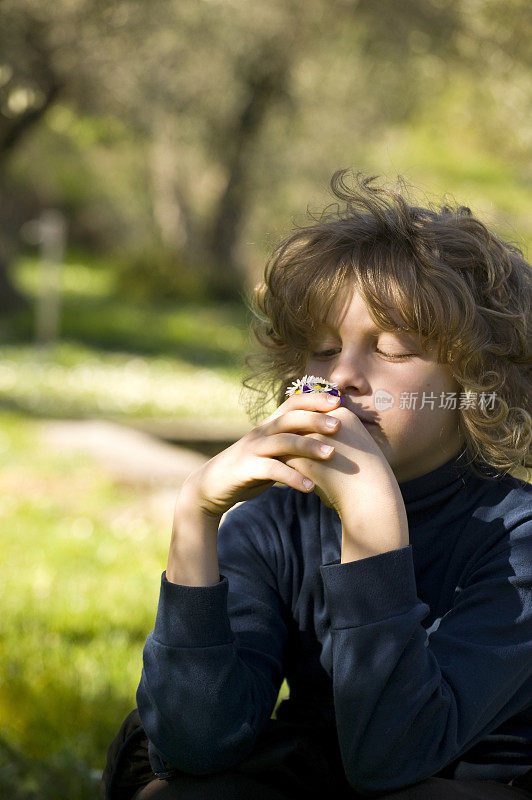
(324, 354)
(391, 355)
(396, 356)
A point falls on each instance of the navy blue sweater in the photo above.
(420, 658)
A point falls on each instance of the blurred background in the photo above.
(151, 155)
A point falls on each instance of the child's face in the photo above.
(414, 440)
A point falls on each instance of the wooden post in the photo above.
(50, 232)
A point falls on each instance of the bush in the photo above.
(160, 274)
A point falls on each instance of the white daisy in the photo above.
(311, 383)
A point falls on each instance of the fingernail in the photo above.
(331, 422)
(307, 483)
(326, 449)
(331, 398)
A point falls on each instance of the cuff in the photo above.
(370, 589)
(192, 616)
(164, 771)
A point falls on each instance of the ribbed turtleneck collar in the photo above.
(437, 486)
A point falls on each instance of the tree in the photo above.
(228, 102)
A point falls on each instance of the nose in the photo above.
(350, 375)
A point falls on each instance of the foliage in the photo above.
(197, 128)
(159, 273)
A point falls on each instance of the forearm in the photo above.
(193, 557)
(213, 665)
(201, 701)
(392, 708)
(376, 525)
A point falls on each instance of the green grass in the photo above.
(81, 569)
(82, 559)
(117, 359)
(93, 312)
(73, 380)
(82, 556)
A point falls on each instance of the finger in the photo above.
(300, 420)
(311, 400)
(272, 470)
(285, 444)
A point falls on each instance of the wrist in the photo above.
(192, 498)
(193, 558)
(375, 526)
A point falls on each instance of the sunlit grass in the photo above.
(92, 312)
(81, 568)
(78, 278)
(72, 380)
(82, 559)
(170, 360)
(82, 556)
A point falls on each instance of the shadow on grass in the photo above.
(204, 336)
(62, 776)
(59, 755)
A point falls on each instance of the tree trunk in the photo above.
(10, 297)
(266, 84)
(12, 132)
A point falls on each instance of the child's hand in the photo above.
(356, 466)
(258, 459)
(358, 482)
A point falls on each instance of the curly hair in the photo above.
(453, 282)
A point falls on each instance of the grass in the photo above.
(73, 380)
(82, 559)
(82, 563)
(83, 555)
(94, 313)
(116, 359)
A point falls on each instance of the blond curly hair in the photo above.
(456, 284)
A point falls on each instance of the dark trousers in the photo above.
(289, 760)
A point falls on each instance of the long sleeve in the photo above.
(409, 701)
(213, 664)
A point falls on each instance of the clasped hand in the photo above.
(355, 480)
(355, 474)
